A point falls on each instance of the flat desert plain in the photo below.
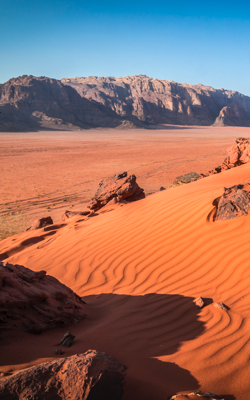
(140, 266)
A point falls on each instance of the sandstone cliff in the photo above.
(31, 103)
(158, 101)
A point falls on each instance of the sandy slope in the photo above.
(140, 267)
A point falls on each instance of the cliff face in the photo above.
(159, 101)
(35, 103)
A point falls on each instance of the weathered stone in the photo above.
(92, 375)
(40, 223)
(67, 339)
(187, 178)
(234, 202)
(120, 186)
(199, 302)
(162, 188)
(33, 301)
(197, 395)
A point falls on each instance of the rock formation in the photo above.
(233, 115)
(33, 301)
(158, 101)
(122, 187)
(92, 376)
(35, 103)
(234, 202)
(238, 154)
(40, 223)
(198, 395)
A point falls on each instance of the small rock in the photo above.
(220, 305)
(187, 178)
(67, 339)
(70, 214)
(199, 302)
(40, 223)
(162, 188)
(59, 352)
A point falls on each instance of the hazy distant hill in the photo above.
(159, 101)
(30, 103)
(35, 103)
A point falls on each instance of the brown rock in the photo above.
(199, 302)
(92, 375)
(70, 214)
(198, 395)
(221, 306)
(120, 186)
(234, 202)
(239, 152)
(33, 301)
(40, 223)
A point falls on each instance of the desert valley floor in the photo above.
(140, 266)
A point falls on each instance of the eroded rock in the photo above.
(33, 301)
(197, 395)
(92, 375)
(120, 186)
(234, 202)
(221, 306)
(40, 223)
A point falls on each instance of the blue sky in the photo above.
(185, 41)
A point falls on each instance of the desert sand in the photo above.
(140, 266)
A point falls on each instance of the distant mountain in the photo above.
(30, 103)
(157, 101)
(35, 103)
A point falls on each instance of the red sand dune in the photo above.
(139, 268)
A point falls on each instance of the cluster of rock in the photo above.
(238, 154)
(119, 188)
(200, 303)
(234, 202)
(197, 395)
(92, 376)
(33, 301)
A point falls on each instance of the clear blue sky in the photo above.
(184, 41)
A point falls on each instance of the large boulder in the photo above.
(33, 301)
(197, 395)
(234, 202)
(92, 376)
(120, 186)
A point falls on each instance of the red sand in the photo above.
(139, 268)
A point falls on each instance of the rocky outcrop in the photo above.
(234, 202)
(33, 301)
(71, 214)
(238, 154)
(122, 187)
(233, 115)
(92, 376)
(40, 223)
(35, 103)
(198, 395)
(187, 178)
(157, 101)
